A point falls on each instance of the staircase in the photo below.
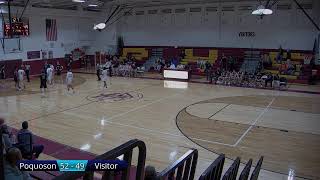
(251, 61)
(155, 55)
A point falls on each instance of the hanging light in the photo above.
(79, 1)
(93, 5)
(99, 26)
(261, 10)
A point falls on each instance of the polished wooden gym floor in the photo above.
(171, 117)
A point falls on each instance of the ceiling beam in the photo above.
(309, 17)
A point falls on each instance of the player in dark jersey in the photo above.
(59, 68)
(43, 81)
(3, 72)
(15, 78)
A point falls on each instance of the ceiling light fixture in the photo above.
(79, 1)
(2, 2)
(261, 10)
(93, 5)
(99, 26)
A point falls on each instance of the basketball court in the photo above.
(238, 78)
(282, 126)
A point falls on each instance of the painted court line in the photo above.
(139, 107)
(165, 133)
(218, 111)
(151, 130)
(254, 123)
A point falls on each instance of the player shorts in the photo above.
(43, 84)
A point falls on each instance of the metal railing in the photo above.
(256, 171)
(246, 171)
(2, 157)
(183, 168)
(126, 150)
(232, 172)
(214, 171)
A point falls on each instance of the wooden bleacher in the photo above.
(296, 59)
(190, 58)
(140, 54)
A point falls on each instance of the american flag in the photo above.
(51, 29)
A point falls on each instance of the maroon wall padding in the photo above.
(170, 51)
(10, 66)
(201, 52)
(36, 65)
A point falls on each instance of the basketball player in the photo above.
(104, 76)
(28, 67)
(69, 79)
(59, 68)
(49, 75)
(98, 72)
(43, 81)
(3, 72)
(21, 73)
(15, 78)
(52, 68)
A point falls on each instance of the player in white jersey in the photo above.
(21, 73)
(52, 67)
(69, 79)
(104, 76)
(49, 75)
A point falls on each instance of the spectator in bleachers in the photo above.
(182, 54)
(314, 72)
(8, 137)
(283, 68)
(276, 81)
(180, 66)
(158, 66)
(279, 56)
(216, 75)
(229, 63)
(283, 82)
(224, 62)
(290, 67)
(288, 54)
(267, 63)
(11, 171)
(268, 80)
(172, 66)
(24, 141)
(150, 173)
(207, 70)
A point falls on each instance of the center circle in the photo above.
(115, 96)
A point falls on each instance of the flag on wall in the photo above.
(51, 30)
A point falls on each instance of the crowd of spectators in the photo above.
(18, 147)
(126, 68)
(224, 71)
